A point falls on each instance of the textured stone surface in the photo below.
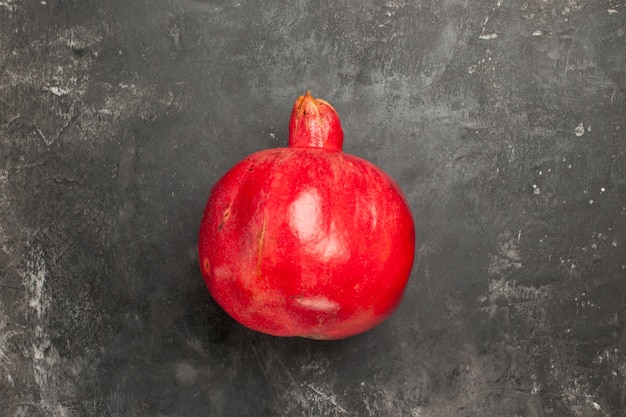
(503, 121)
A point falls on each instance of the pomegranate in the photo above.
(307, 240)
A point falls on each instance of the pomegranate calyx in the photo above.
(314, 123)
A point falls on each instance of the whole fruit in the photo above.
(307, 240)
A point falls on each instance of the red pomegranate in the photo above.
(307, 240)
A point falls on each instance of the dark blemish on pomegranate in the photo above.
(206, 265)
(225, 217)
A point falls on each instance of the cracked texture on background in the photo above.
(502, 121)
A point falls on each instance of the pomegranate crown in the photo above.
(314, 123)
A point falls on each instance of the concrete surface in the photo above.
(503, 121)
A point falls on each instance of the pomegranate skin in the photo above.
(307, 240)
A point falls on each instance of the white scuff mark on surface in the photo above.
(396, 4)
(536, 388)
(483, 64)
(579, 130)
(59, 91)
(511, 291)
(488, 36)
(37, 299)
(44, 354)
(8, 5)
(326, 398)
(131, 87)
(538, 32)
(82, 38)
(520, 297)
(612, 11)
(505, 260)
(5, 336)
(507, 255)
(36, 278)
(416, 412)
(484, 35)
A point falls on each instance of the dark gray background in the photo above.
(503, 121)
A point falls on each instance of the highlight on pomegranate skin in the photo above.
(307, 240)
